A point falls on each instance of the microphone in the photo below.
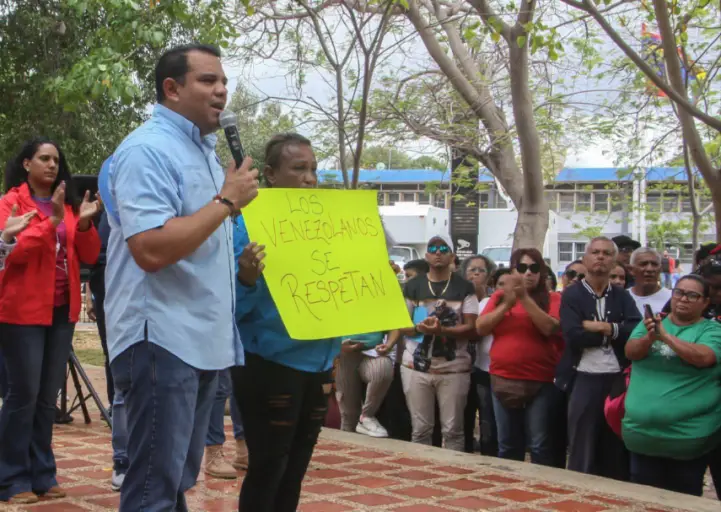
(229, 123)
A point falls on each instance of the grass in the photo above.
(90, 356)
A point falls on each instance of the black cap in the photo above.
(625, 241)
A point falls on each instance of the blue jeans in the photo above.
(489, 432)
(120, 433)
(3, 376)
(35, 360)
(167, 403)
(216, 428)
(527, 425)
(666, 279)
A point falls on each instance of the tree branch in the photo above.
(587, 6)
(486, 12)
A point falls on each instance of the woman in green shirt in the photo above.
(673, 403)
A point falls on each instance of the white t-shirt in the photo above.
(483, 358)
(598, 359)
(657, 300)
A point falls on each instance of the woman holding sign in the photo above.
(280, 388)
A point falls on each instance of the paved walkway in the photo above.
(350, 472)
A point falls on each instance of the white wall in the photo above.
(495, 227)
(414, 224)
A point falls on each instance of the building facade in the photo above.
(648, 205)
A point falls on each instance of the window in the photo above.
(393, 198)
(409, 197)
(500, 202)
(552, 199)
(617, 201)
(685, 203)
(583, 202)
(565, 200)
(653, 202)
(600, 201)
(439, 199)
(670, 202)
(423, 198)
(565, 251)
(570, 251)
(703, 203)
(484, 200)
(381, 199)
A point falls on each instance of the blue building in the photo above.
(613, 201)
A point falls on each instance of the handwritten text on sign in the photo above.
(326, 262)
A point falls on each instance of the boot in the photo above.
(216, 465)
(241, 455)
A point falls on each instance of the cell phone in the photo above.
(648, 313)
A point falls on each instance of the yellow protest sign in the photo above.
(326, 262)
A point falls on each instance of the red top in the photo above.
(62, 286)
(27, 285)
(519, 350)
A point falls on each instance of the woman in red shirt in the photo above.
(39, 306)
(522, 317)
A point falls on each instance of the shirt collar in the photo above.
(186, 126)
(592, 292)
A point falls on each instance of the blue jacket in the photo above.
(262, 330)
(577, 305)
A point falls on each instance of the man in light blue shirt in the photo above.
(171, 277)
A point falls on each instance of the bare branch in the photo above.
(589, 7)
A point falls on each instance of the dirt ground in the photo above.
(86, 338)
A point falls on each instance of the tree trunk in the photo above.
(695, 215)
(524, 188)
(688, 124)
(532, 222)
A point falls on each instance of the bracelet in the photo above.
(227, 202)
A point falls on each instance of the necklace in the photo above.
(430, 288)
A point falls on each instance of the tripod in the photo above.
(76, 371)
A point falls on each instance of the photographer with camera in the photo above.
(436, 362)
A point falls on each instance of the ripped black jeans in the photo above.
(283, 411)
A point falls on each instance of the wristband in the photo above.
(227, 202)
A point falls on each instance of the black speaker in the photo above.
(83, 182)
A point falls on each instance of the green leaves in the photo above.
(89, 84)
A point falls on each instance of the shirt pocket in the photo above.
(198, 188)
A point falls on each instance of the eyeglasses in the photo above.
(626, 249)
(477, 270)
(612, 276)
(573, 275)
(522, 268)
(679, 294)
(443, 249)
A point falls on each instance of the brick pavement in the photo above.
(356, 473)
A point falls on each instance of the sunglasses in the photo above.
(678, 293)
(443, 249)
(612, 276)
(522, 268)
(572, 275)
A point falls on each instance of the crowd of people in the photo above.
(614, 375)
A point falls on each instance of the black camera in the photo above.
(438, 346)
